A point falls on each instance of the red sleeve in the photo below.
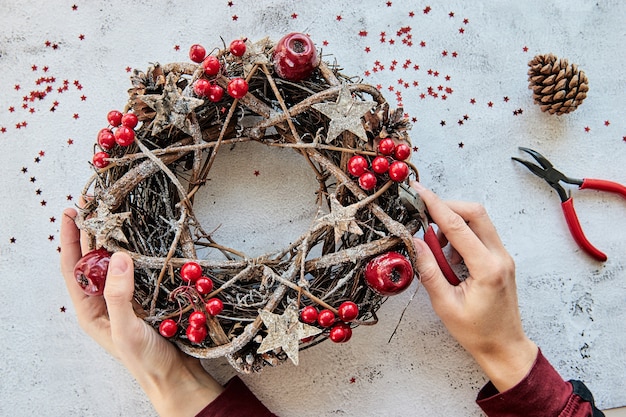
(235, 401)
(542, 393)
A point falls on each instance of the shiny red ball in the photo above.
(114, 117)
(238, 47)
(204, 285)
(191, 271)
(124, 136)
(389, 273)
(168, 328)
(211, 65)
(340, 333)
(367, 181)
(197, 319)
(348, 311)
(197, 53)
(386, 146)
(326, 318)
(214, 306)
(295, 57)
(357, 165)
(130, 120)
(402, 152)
(91, 271)
(106, 139)
(201, 87)
(380, 164)
(196, 334)
(398, 171)
(99, 159)
(215, 93)
(309, 314)
(237, 87)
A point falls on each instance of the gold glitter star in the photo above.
(345, 114)
(105, 226)
(341, 218)
(172, 108)
(285, 331)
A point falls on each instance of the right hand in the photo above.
(482, 312)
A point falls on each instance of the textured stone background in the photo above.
(457, 67)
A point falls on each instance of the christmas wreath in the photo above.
(153, 156)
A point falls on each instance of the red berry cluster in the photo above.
(120, 131)
(206, 86)
(339, 330)
(191, 273)
(390, 161)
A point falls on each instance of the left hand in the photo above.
(176, 384)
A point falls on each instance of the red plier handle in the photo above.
(572, 219)
(430, 237)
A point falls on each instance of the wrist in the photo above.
(183, 391)
(508, 364)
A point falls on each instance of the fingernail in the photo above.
(118, 264)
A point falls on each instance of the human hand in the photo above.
(482, 312)
(176, 384)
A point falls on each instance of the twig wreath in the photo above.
(153, 158)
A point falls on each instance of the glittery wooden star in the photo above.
(341, 218)
(285, 331)
(106, 225)
(345, 114)
(256, 53)
(172, 108)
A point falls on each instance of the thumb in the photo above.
(119, 287)
(430, 274)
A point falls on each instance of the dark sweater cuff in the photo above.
(235, 401)
(541, 393)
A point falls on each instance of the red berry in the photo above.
(215, 93)
(211, 65)
(204, 285)
(295, 57)
(237, 87)
(191, 271)
(348, 311)
(197, 53)
(238, 47)
(124, 136)
(389, 273)
(357, 165)
(367, 181)
(201, 87)
(99, 159)
(197, 319)
(114, 117)
(386, 146)
(380, 165)
(130, 120)
(214, 306)
(106, 139)
(309, 314)
(196, 334)
(340, 333)
(402, 152)
(326, 318)
(168, 328)
(398, 171)
(91, 271)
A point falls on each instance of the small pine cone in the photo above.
(558, 87)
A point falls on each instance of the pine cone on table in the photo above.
(558, 86)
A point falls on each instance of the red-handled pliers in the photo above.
(417, 209)
(553, 177)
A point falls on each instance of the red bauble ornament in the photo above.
(191, 271)
(211, 65)
(168, 328)
(398, 171)
(238, 47)
(380, 165)
(389, 273)
(106, 139)
(367, 181)
(237, 87)
(201, 87)
(215, 93)
(348, 311)
(91, 271)
(326, 318)
(196, 334)
(386, 146)
(130, 120)
(357, 165)
(309, 314)
(124, 136)
(340, 333)
(402, 152)
(214, 306)
(114, 118)
(295, 57)
(204, 285)
(99, 159)
(197, 319)
(197, 53)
